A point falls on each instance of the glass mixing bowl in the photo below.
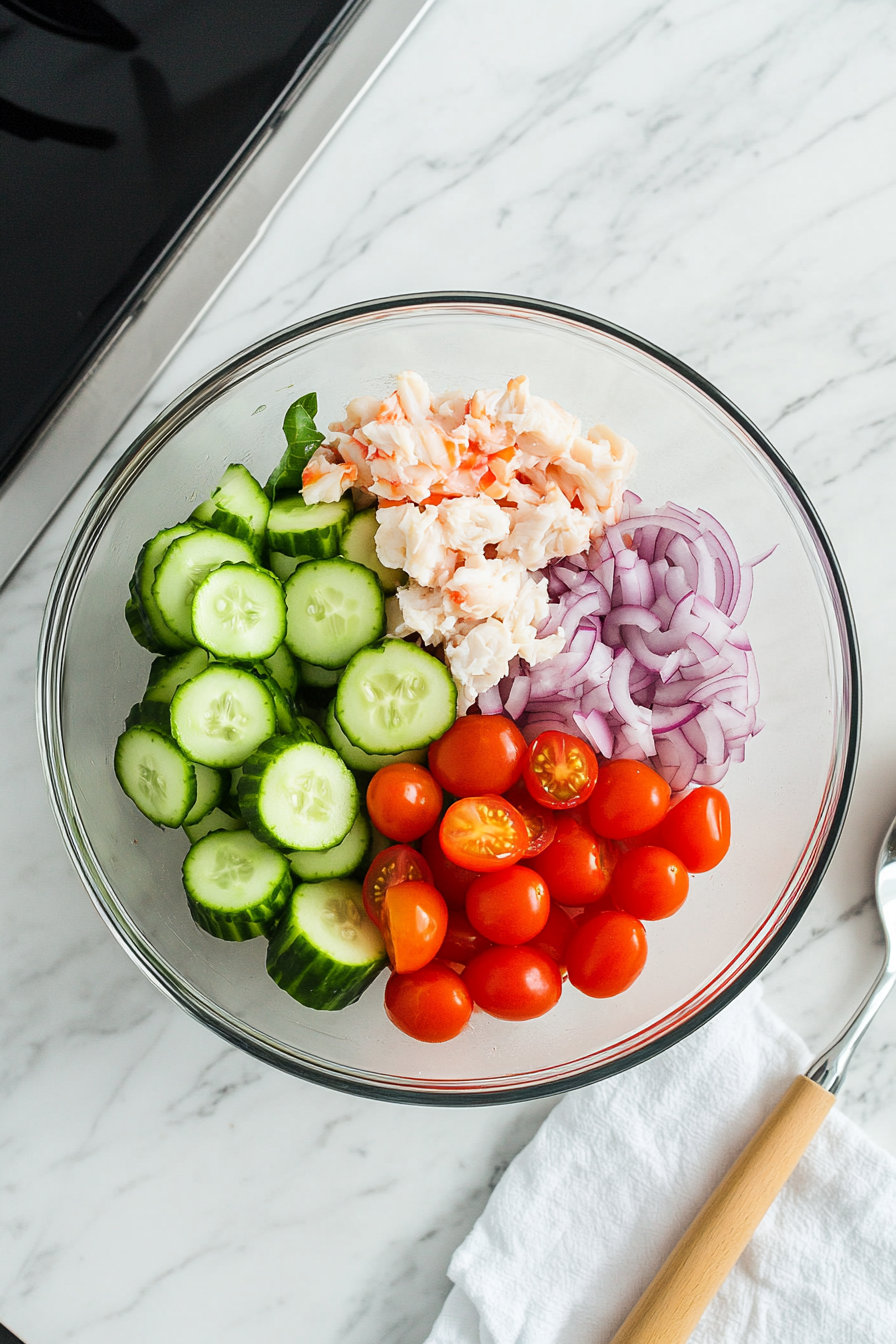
(788, 800)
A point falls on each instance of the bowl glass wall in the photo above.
(787, 800)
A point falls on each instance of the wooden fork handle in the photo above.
(670, 1307)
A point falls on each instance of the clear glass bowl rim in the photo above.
(76, 559)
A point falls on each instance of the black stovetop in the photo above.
(115, 121)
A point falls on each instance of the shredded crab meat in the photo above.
(475, 496)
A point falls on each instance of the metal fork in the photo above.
(670, 1307)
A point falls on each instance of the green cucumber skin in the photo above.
(133, 614)
(168, 674)
(150, 714)
(163, 638)
(249, 786)
(310, 976)
(319, 541)
(256, 922)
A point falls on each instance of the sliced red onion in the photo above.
(657, 665)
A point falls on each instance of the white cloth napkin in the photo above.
(586, 1214)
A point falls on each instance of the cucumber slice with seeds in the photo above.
(314, 865)
(238, 506)
(395, 697)
(220, 717)
(326, 949)
(239, 612)
(359, 544)
(155, 775)
(167, 674)
(298, 795)
(355, 758)
(236, 886)
(186, 563)
(296, 528)
(333, 609)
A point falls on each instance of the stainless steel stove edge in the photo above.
(186, 281)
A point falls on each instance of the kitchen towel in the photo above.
(586, 1214)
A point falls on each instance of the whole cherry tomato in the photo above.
(540, 822)
(607, 954)
(509, 907)
(480, 753)
(461, 942)
(578, 865)
(629, 798)
(560, 770)
(554, 937)
(698, 829)
(452, 881)
(649, 883)
(403, 801)
(413, 919)
(596, 908)
(484, 834)
(398, 863)
(515, 983)
(432, 1004)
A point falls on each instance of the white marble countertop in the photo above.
(717, 177)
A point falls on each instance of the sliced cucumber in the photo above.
(239, 612)
(333, 609)
(155, 775)
(326, 949)
(285, 565)
(238, 506)
(229, 801)
(236, 886)
(296, 528)
(355, 758)
(209, 792)
(284, 708)
(395, 697)
(217, 820)
(137, 626)
(298, 795)
(282, 667)
(319, 677)
(220, 717)
(186, 563)
(149, 714)
(167, 674)
(359, 544)
(306, 730)
(163, 636)
(314, 865)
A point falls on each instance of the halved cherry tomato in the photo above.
(398, 863)
(432, 1004)
(509, 907)
(554, 937)
(480, 753)
(484, 834)
(413, 919)
(540, 824)
(578, 865)
(607, 954)
(629, 798)
(514, 983)
(698, 829)
(649, 883)
(452, 881)
(461, 942)
(560, 770)
(403, 801)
